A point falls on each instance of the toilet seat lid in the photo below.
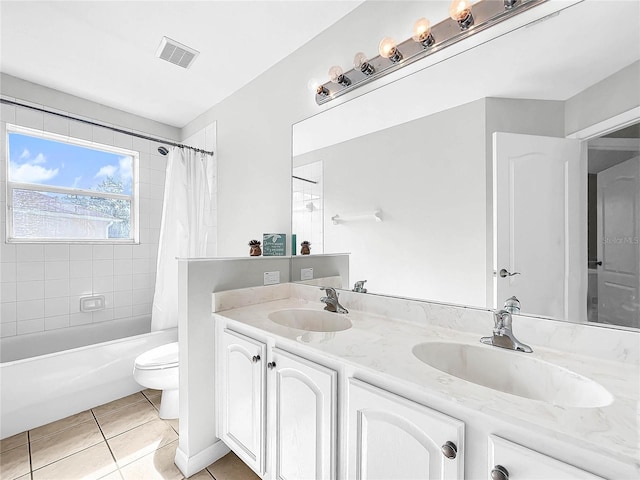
(164, 356)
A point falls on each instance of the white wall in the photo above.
(41, 284)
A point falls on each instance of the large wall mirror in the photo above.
(520, 175)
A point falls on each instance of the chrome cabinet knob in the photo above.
(449, 450)
(271, 365)
(499, 473)
(255, 358)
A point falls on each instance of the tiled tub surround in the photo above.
(385, 329)
(41, 284)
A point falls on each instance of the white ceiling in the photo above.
(105, 50)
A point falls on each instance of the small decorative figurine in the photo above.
(255, 251)
(305, 248)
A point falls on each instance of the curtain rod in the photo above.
(95, 124)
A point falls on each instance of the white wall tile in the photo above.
(56, 124)
(102, 284)
(122, 283)
(8, 329)
(56, 288)
(103, 315)
(102, 135)
(29, 310)
(122, 252)
(8, 113)
(123, 312)
(80, 286)
(29, 118)
(30, 290)
(103, 252)
(30, 253)
(8, 292)
(8, 312)
(56, 253)
(140, 265)
(8, 272)
(74, 303)
(143, 309)
(56, 270)
(108, 299)
(80, 252)
(123, 299)
(52, 323)
(28, 271)
(81, 318)
(7, 253)
(80, 130)
(56, 306)
(143, 281)
(80, 268)
(30, 326)
(143, 295)
(123, 267)
(102, 268)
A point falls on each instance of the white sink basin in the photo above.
(311, 320)
(514, 372)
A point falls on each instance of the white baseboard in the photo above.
(192, 465)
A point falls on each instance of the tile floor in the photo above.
(122, 440)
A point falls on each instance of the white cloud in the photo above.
(25, 154)
(126, 168)
(76, 182)
(40, 159)
(106, 171)
(27, 173)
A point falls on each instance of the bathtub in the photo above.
(47, 376)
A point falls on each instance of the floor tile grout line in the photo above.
(107, 443)
(30, 461)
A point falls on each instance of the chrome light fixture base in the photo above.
(484, 13)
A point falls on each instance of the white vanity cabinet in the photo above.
(278, 411)
(242, 398)
(392, 437)
(510, 461)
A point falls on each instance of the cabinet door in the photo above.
(304, 407)
(521, 463)
(391, 437)
(243, 398)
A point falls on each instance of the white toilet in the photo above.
(158, 369)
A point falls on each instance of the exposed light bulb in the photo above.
(422, 32)
(460, 11)
(313, 84)
(336, 75)
(360, 62)
(388, 49)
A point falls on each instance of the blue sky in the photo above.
(46, 162)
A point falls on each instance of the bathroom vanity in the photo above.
(304, 393)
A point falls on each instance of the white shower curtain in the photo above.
(184, 230)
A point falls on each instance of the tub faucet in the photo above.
(503, 334)
(358, 287)
(331, 301)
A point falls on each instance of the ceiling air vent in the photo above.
(176, 53)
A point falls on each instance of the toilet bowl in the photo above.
(158, 369)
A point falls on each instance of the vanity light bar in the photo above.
(485, 13)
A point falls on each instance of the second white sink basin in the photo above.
(515, 373)
(311, 320)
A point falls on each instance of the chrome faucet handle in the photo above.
(358, 287)
(331, 292)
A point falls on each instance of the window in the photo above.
(65, 189)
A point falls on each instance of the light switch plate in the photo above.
(306, 274)
(271, 278)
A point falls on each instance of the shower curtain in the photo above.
(186, 217)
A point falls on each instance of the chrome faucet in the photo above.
(331, 301)
(503, 334)
(358, 287)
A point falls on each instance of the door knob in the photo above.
(449, 450)
(271, 365)
(506, 273)
(499, 473)
(255, 358)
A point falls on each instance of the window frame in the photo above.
(134, 197)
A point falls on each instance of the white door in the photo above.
(243, 398)
(303, 401)
(526, 464)
(540, 224)
(391, 437)
(618, 244)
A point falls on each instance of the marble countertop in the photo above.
(384, 345)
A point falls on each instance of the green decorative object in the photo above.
(274, 244)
